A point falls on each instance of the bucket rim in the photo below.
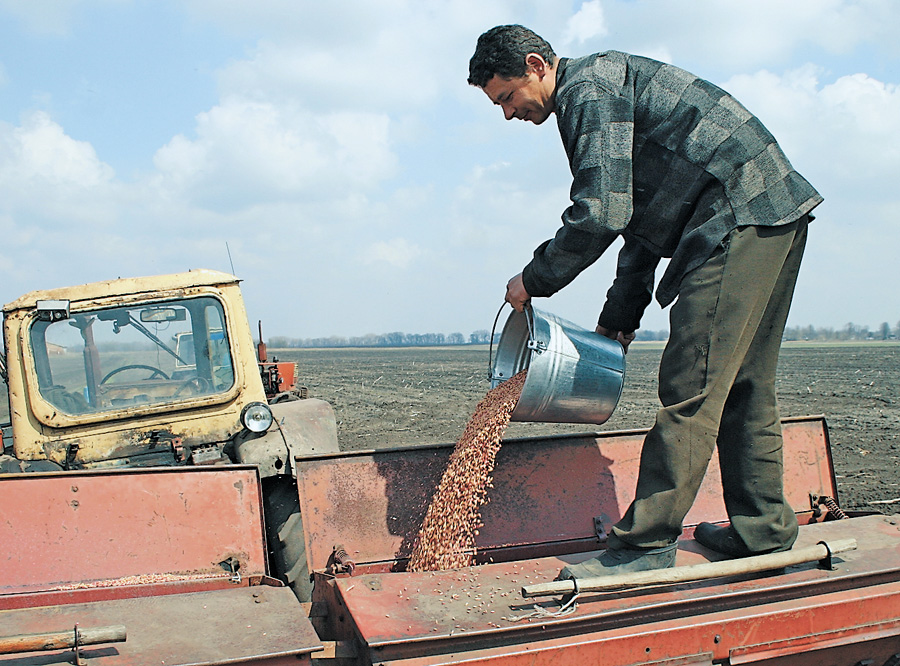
(532, 344)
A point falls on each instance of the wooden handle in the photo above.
(61, 640)
(745, 565)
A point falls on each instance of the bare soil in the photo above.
(394, 397)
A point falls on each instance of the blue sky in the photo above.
(361, 186)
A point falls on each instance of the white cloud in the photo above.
(47, 174)
(871, 105)
(248, 152)
(841, 132)
(40, 150)
(588, 22)
(42, 17)
(376, 76)
(496, 206)
(842, 136)
(390, 55)
(50, 17)
(398, 252)
(716, 35)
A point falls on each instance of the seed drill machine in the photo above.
(158, 507)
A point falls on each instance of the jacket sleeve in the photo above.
(632, 289)
(597, 131)
(558, 261)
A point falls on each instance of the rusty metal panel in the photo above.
(669, 643)
(68, 528)
(853, 643)
(241, 625)
(477, 615)
(546, 490)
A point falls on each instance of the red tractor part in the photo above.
(277, 376)
(176, 557)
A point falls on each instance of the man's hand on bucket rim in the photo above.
(516, 295)
(621, 337)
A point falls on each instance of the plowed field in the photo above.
(391, 397)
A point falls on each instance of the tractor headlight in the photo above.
(256, 417)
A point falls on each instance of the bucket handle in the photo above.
(532, 344)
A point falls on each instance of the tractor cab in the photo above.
(133, 372)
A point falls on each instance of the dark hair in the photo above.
(502, 51)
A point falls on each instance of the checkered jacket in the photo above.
(668, 161)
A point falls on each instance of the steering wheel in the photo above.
(193, 386)
(155, 372)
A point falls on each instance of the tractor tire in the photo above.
(284, 533)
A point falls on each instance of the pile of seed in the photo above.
(447, 537)
(142, 579)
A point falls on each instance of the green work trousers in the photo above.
(717, 389)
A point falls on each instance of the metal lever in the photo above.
(821, 553)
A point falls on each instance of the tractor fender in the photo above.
(300, 428)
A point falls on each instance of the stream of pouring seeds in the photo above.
(447, 537)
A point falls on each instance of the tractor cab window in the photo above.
(105, 360)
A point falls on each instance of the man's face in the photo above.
(526, 97)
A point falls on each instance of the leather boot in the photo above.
(726, 541)
(621, 560)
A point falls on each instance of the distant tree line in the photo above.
(649, 336)
(482, 337)
(848, 332)
(395, 339)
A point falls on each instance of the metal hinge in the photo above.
(537, 345)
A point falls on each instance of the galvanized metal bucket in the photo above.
(574, 375)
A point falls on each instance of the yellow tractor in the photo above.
(157, 372)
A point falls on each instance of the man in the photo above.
(679, 169)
